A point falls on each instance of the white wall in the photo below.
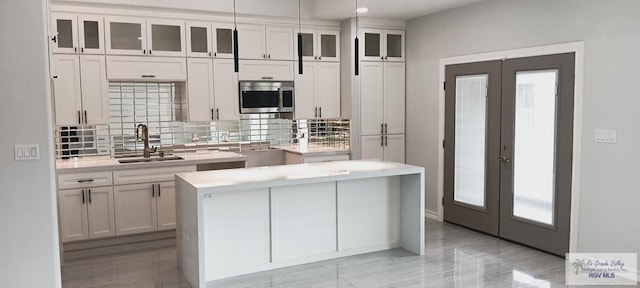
(285, 8)
(28, 220)
(609, 196)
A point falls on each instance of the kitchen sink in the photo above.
(147, 160)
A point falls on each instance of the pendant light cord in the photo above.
(235, 22)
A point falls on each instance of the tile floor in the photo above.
(455, 257)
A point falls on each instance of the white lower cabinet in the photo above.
(145, 199)
(296, 233)
(136, 209)
(86, 213)
(384, 147)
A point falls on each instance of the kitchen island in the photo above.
(240, 221)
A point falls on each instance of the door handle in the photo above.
(315, 113)
(85, 117)
(382, 141)
(267, 78)
(212, 115)
(217, 117)
(504, 159)
(153, 190)
(89, 192)
(386, 128)
(159, 191)
(82, 196)
(381, 128)
(79, 117)
(320, 111)
(386, 141)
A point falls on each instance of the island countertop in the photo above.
(271, 176)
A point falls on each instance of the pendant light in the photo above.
(300, 65)
(356, 45)
(236, 61)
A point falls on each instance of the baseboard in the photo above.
(432, 215)
(115, 245)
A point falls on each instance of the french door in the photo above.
(508, 149)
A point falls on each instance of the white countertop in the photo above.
(273, 176)
(89, 165)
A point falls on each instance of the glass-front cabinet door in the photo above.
(199, 39)
(65, 33)
(126, 36)
(90, 34)
(309, 49)
(394, 45)
(329, 45)
(371, 45)
(222, 40)
(166, 37)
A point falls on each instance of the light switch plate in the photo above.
(27, 152)
(605, 136)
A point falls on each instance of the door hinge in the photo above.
(442, 201)
(444, 86)
(443, 143)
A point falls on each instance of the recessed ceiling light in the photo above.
(362, 10)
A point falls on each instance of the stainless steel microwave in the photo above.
(266, 96)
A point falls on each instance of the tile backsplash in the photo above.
(158, 105)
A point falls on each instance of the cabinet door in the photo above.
(91, 34)
(146, 68)
(309, 45)
(296, 233)
(136, 210)
(371, 97)
(225, 87)
(126, 36)
(199, 39)
(166, 37)
(101, 212)
(329, 45)
(394, 148)
(65, 29)
(372, 147)
(251, 42)
(279, 43)
(394, 45)
(371, 43)
(328, 89)
(305, 106)
(200, 89)
(95, 98)
(266, 70)
(394, 97)
(74, 224)
(222, 40)
(166, 198)
(66, 88)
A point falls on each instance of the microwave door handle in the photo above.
(280, 99)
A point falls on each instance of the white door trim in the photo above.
(576, 47)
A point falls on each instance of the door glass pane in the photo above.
(224, 40)
(126, 36)
(328, 45)
(534, 146)
(394, 45)
(307, 44)
(372, 44)
(91, 35)
(470, 139)
(65, 33)
(166, 38)
(199, 40)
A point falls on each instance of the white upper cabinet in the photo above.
(136, 36)
(206, 40)
(318, 45)
(382, 45)
(212, 90)
(77, 33)
(318, 91)
(225, 87)
(95, 98)
(265, 42)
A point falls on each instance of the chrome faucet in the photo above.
(145, 138)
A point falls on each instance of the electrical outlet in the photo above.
(27, 152)
(605, 136)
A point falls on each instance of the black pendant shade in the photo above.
(356, 45)
(300, 65)
(236, 61)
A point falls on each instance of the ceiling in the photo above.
(391, 9)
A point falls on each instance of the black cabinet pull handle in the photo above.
(209, 54)
(315, 113)
(85, 117)
(381, 128)
(148, 76)
(89, 195)
(382, 141)
(386, 128)
(149, 51)
(153, 190)
(215, 54)
(79, 117)
(386, 140)
(75, 49)
(144, 51)
(54, 39)
(320, 112)
(218, 113)
(212, 115)
(82, 196)
(82, 49)
(159, 195)
(85, 181)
